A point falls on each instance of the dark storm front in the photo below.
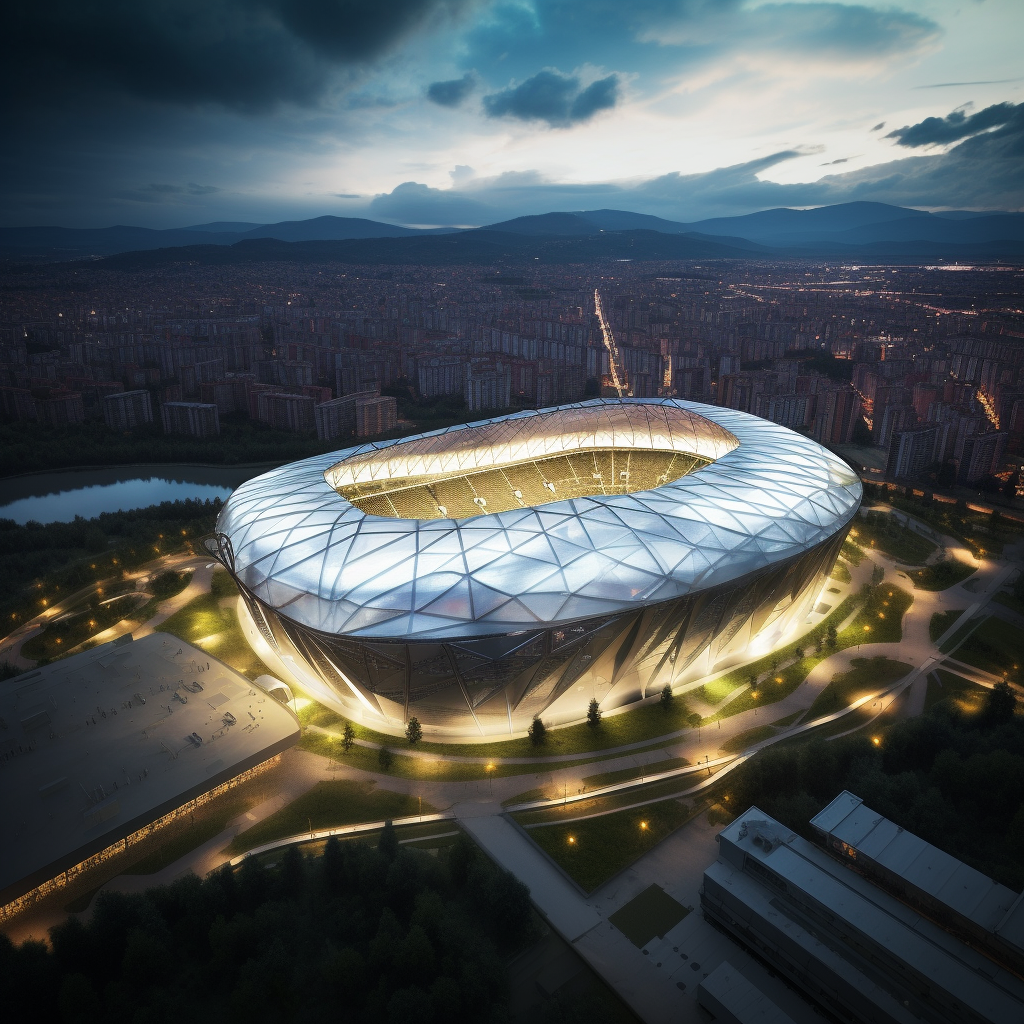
(503, 681)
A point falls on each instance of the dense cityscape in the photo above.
(913, 372)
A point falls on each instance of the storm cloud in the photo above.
(958, 125)
(453, 92)
(553, 97)
(242, 54)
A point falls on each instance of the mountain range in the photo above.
(846, 230)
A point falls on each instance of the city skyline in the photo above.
(460, 113)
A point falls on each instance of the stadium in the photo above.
(478, 576)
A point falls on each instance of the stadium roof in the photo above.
(304, 549)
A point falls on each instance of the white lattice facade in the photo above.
(479, 575)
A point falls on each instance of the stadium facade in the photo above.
(477, 576)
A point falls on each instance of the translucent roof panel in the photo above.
(768, 495)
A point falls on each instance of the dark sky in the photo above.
(173, 112)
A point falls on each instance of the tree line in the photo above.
(388, 934)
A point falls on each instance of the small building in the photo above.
(846, 942)
(337, 418)
(127, 410)
(198, 419)
(283, 411)
(101, 749)
(59, 408)
(375, 416)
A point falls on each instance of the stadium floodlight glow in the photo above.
(479, 575)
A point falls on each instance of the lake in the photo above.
(59, 497)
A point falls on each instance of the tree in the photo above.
(593, 713)
(832, 636)
(388, 842)
(414, 731)
(667, 696)
(348, 737)
(798, 653)
(693, 720)
(537, 731)
(385, 758)
(819, 643)
(1000, 704)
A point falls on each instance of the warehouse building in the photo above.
(847, 943)
(100, 749)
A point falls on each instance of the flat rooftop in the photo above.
(101, 744)
(761, 848)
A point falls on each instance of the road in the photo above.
(609, 344)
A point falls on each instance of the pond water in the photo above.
(59, 497)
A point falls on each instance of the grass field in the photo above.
(879, 620)
(746, 739)
(952, 687)
(840, 573)
(1009, 601)
(427, 768)
(648, 722)
(634, 772)
(210, 622)
(883, 531)
(996, 647)
(852, 552)
(941, 575)
(593, 850)
(193, 836)
(941, 621)
(867, 675)
(330, 805)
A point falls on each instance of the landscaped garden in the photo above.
(941, 575)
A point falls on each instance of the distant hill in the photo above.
(547, 224)
(864, 223)
(48, 243)
(467, 247)
(840, 231)
(340, 228)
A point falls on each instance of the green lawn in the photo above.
(996, 647)
(193, 836)
(648, 722)
(59, 638)
(851, 552)
(1009, 601)
(941, 621)
(841, 574)
(747, 739)
(330, 805)
(941, 575)
(951, 687)
(880, 619)
(883, 531)
(634, 772)
(205, 623)
(593, 850)
(866, 676)
(881, 611)
(437, 769)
